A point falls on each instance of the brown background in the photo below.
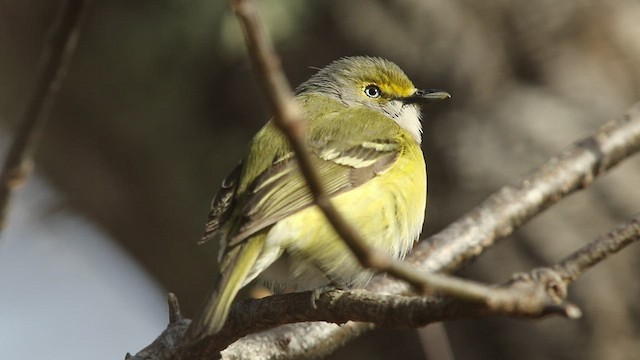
(160, 103)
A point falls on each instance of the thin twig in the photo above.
(289, 119)
(171, 336)
(175, 315)
(574, 265)
(60, 44)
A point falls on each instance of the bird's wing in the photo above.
(281, 190)
(268, 186)
(223, 204)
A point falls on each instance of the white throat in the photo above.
(407, 116)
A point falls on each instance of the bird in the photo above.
(363, 130)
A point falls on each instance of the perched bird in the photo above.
(363, 130)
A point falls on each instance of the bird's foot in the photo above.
(317, 292)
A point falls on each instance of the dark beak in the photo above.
(426, 95)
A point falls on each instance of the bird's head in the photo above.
(374, 83)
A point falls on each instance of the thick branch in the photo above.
(60, 44)
(528, 296)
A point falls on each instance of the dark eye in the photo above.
(372, 91)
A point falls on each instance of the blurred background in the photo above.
(160, 102)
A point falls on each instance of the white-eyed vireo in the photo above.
(363, 128)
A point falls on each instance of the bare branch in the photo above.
(574, 265)
(175, 315)
(59, 47)
(513, 205)
(538, 293)
(525, 297)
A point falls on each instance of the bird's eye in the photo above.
(372, 91)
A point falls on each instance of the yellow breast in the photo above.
(388, 212)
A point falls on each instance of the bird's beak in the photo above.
(426, 95)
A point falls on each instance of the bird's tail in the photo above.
(235, 269)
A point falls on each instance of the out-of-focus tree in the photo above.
(160, 103)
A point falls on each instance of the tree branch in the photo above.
(513, 205)
(576, 264)
(543, 285)
(526, 297)
(61, 40)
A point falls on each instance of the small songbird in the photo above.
(363, 130)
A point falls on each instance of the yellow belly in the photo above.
(388, 212)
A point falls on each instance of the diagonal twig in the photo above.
(60, 44)
(574, 265)
(513, 205)
(289, 119)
